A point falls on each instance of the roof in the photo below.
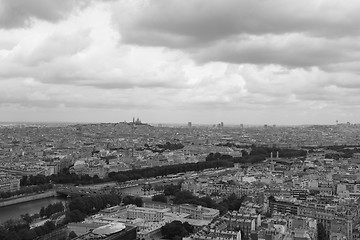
(109, 229)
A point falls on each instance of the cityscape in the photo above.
(179, 120)
(133, 180)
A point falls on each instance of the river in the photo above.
(32, 207)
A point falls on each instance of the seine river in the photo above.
(32, 207)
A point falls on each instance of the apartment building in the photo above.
(9, 183)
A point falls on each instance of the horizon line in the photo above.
(179, 124)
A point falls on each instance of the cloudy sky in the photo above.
(236, 61)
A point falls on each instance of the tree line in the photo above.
(65, 177)
(251, 159)
(185, 197)
(20, 229)
(343, 151)
(257, 155)
(176, 230)
(159, 148)
(170, 146)
(213, 160)
(91, 204)
(166, 170)
(283, 152)
(232, 203)
(51, 209)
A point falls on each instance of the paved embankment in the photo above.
(28, 198)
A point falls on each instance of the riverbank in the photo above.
(12, 201)
(31, 207)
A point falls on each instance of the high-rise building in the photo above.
(189, 124)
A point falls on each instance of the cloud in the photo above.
(181, 22)
(83, 50)
(17, 13)
(292, 34)
(31, 93)
(177, 59)
(291, 50)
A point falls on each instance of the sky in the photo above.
(232, 61)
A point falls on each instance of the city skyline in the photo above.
(205, 62)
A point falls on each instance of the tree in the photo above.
(183, 197)
(188, 227)
(3, 232)
(146, 188)
(138, 201)
(128, 200)
(26, 234)
(24, 180)
(27, 218)
(74, 216)
(171, 189)
(77, 204)
(50, 226)
(159, 188)
(159, 198)
(12, 236)
(322, 235)
(72, 235)
(174, 229)
(272, 199)
(244, 153)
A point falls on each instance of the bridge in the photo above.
(75, 192)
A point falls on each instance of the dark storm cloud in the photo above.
(180, 23)
(302, 34)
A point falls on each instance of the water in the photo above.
(32, 207)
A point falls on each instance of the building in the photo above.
(193, 212)
(333, 222)
(9, 183)
(284, 207)
(245, 222)
(110, 231)
(220, 189)
(302, 228)
(148, 214)
(199, 212)
(148, 230)
(52, 168)
(217, 235)
(83, 228)
(300, 194)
